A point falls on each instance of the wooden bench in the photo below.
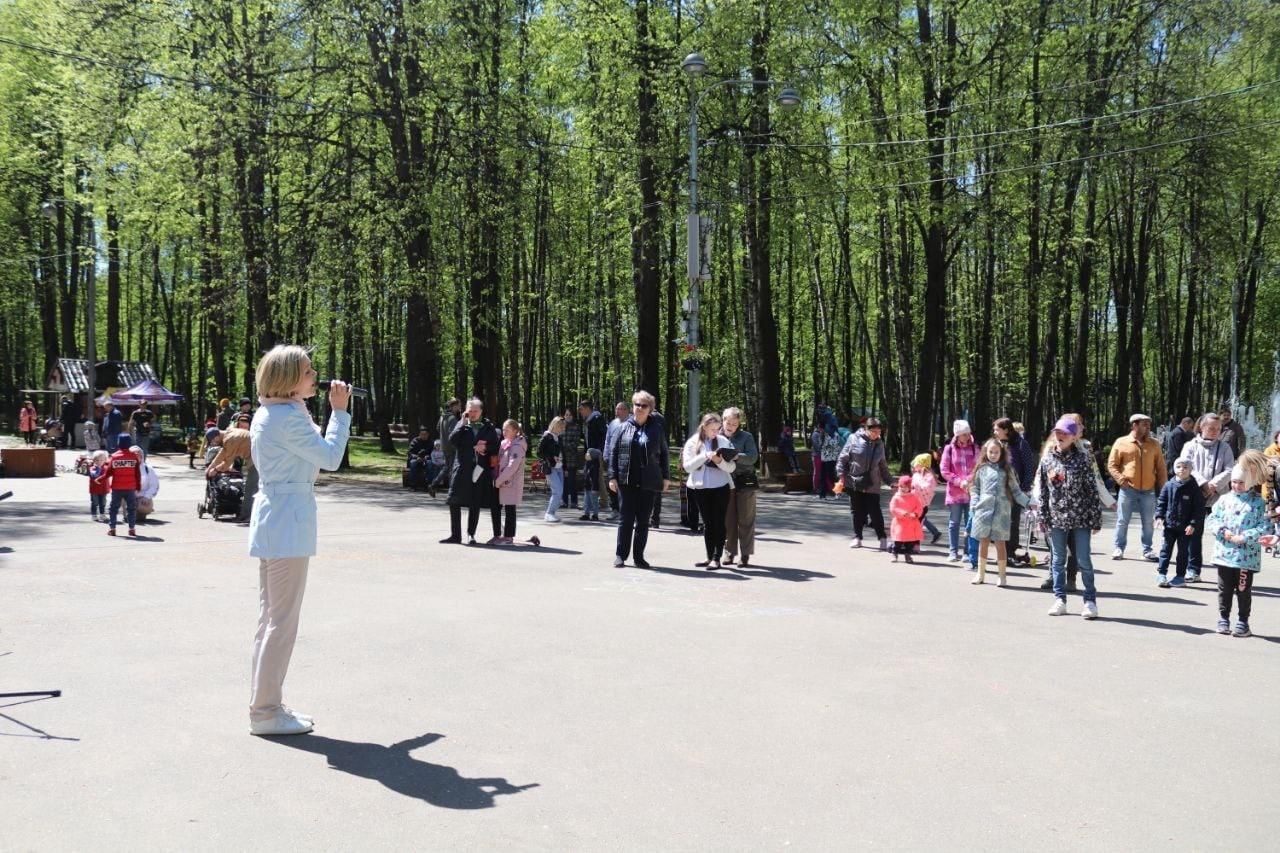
(28, 461)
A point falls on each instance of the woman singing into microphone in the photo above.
(288, 451)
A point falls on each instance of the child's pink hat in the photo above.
(904, 480)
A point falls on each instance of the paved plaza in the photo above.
(538, 699)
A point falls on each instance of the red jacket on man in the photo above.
(124, 471)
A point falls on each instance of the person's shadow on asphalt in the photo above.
(395, 768)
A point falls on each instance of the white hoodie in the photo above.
(1211, 462)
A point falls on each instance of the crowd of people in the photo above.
(1212, 485)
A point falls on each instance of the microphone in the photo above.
(323, 384)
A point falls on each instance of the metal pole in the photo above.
(1235, 349)
(91, 315)
(695, 264)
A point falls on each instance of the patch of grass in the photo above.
(367, 460)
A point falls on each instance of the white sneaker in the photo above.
(856, 543)
(298, 715)
(551, 519)
(1117, 554)
(954, 558)
(1059, 607)
(1090, 610)
(1151, 555)
(283, 723)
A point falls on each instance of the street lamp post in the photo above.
(694, 66)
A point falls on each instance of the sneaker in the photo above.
(1152, 556)
(551, 519)
(595, 516)
(1048, 583)
(884, 544)
(283, 723)
(132, 532)
(1224, 627)
(1090, 610)
(613, 516)
(1162, 580)
(641, 563)
(1193, 577)
(306, 718)
(111, 531)
(907, 557)
(1241, 630)
(1177, 582)
(618, 562)
(953, 557)
(586, 516)
(1117, 554)
(856, 543)
(496, 540)
(936, 537)
(1059, 607)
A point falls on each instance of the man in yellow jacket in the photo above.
(1136, 464)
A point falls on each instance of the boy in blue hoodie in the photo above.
(1180, 508)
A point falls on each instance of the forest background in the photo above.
(980, 208)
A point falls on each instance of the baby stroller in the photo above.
(222, 495)
(1030, 533)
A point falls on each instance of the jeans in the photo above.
(633, 529)
(555, 482)
(590, 501)
(1145, 503)
(1174, 536)
(929, 525)
(1059, 538)
(130, 499)
(143, 440)
(571, 486)
(958, 521)
(1195, 552)
(97, 504)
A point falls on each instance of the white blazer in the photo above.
(701, 476)
(289, 451)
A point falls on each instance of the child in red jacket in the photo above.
(124, 472)
(99, 485)
(905, 529)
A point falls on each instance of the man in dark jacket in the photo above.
(1023, 459)
(416, 461)
(444, 429)
(475, 443)
(639, 470)
(1178, 437)
(112, 425)
(1232, 432)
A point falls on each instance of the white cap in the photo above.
(961, 428)
(1133, 419)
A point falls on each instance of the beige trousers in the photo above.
(281, 583)
(740, 522)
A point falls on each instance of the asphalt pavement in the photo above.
(539, 699)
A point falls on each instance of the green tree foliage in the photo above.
(979, 208)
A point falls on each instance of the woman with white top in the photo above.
(289, 451)
(709, 484)
(551, 454)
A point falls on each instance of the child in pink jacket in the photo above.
(924, 484)
(905, 510)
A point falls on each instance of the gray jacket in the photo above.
(1211, 462)
(861, 456)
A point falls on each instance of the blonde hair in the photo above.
(645, 397)
(1254, 463)
(280, 370)
(510, 422)
(732, 412)
(708, 418)
(100, 456)
(556, 426)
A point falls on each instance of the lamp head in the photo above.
(694, 65)
(788, 98)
